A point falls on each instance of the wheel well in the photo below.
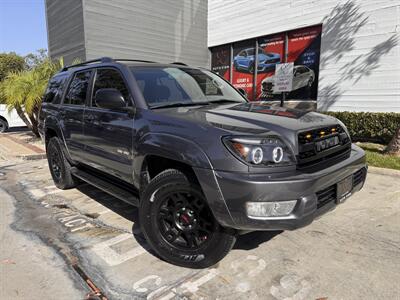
(154, 165)
(4, 119)
(49, 134)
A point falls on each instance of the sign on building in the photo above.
(283, 77)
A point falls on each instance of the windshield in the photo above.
(169, 85)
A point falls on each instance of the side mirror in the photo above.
(242, 91)
(109, 98)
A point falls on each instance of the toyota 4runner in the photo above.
(201, 162)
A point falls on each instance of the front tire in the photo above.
(179, 225)
(60, 168)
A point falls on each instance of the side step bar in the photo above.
(107, 187)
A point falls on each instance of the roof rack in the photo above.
(99, 60)
(179, 63)
(103, 60)
(138, 60)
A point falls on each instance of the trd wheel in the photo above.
(60, 168)
(3, 125)
(179, 225)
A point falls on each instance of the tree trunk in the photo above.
(34, 125)
(394, 145)
(23, 117)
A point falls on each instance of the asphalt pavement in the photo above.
(82, 241)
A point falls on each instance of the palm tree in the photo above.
(23, 91)
(10, 88)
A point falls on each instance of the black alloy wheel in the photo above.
(185, 221)
(55, 165)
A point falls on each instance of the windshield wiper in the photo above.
(178, 104)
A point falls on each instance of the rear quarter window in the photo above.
(55, 89)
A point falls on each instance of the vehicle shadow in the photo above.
(252, 240)
(247, 241)
(18, 129)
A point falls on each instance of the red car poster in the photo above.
(243, 66)
(272, 50)
(220, 61)
(303, 46)
(304, 50)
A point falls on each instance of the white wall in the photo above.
(156, 30)
(360, 49)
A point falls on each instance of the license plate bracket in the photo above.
(343, 189)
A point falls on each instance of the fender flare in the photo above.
(186, 151)
(171, 147)
(53, 124)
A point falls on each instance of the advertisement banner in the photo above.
(303, 46)
(304, 51)
(271, 50)
(243, 65)
(220, 61)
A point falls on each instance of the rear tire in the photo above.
(3, 125)
(60, 168)
(179, 225)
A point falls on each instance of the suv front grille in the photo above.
(267, 86)
(312, 156)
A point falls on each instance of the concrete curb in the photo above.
(32, 156)
(383, 171)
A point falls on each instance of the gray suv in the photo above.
(201, 162)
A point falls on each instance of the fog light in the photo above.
(270, 209)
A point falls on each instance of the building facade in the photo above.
(344, 55)
(155, 30)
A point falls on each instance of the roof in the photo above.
(130, 62)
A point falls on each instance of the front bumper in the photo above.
(266, 67)
(228, 192)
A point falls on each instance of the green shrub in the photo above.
(366, 126)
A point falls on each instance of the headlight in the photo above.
(269, 151)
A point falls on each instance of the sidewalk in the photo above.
(12, 146)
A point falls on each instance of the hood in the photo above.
(269, 55)
(251, 118)
(270, 79)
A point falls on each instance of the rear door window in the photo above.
(110, 78)
(77, 90)
(55, 89)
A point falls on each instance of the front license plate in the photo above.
(343, 190)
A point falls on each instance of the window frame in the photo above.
(94, 76)
(88, 89)
(61, 89)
